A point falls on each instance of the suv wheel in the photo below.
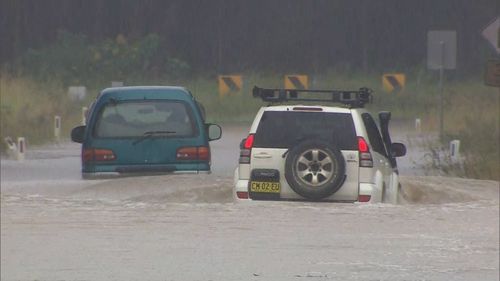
(315, 169)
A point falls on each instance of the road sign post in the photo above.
(441, 55)
(441, 98)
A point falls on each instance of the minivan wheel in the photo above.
(315, 169)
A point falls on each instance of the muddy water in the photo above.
(55, 226)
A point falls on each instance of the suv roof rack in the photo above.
(351, 98)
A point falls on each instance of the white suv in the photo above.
(319, 153)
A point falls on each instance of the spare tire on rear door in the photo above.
(315, 169)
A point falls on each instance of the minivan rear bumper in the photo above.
(105, 175)
(110, 171)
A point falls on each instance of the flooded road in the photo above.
(55, 226)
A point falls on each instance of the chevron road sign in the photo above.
(229, 84)
(296, 81)
(393, 83)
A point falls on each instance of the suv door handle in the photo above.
(262, 155)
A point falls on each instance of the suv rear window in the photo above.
(134, 118)
(284, 129)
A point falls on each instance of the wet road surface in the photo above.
(55, 226)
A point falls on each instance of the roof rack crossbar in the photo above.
(351, 98)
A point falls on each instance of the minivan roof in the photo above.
(146, 92)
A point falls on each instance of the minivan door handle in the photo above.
(262, 155)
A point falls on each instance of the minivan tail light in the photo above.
(246, 150)
(204, 153)
(96, 154)
(193, 153)
(365, 157)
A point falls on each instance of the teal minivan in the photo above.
(145, 130)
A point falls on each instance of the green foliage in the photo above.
(480, 143)
(28, 109)
(72, 59)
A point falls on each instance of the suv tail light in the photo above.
(242, 194)
(95, 154)
(246, 149)
(249, 141)
(365, 157)
(364, 198)
(193, 153)
(304, 108)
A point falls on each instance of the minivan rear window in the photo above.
(284, 129)
(134, 118)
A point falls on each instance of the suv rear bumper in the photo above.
(371, 189)
(368, 189)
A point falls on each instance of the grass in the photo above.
(471, 109)
(28, 108)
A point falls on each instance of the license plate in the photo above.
(265, 187)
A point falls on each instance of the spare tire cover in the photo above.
(315, 169)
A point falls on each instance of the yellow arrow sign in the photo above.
(296, 81)
(394, 82)
(229, 84)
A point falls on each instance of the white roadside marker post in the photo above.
(57, 128)
(85, 110)
(455, 151)
(21, 148)
(418, 125)
(116, 84)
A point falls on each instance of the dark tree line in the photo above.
(296, 35)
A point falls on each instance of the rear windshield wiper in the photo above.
(149, 134)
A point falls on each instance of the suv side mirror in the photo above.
(77, 134)
(384, 117)
(398, 149)
(214, 131)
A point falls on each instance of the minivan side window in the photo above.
(373, 134)
(134, 118)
